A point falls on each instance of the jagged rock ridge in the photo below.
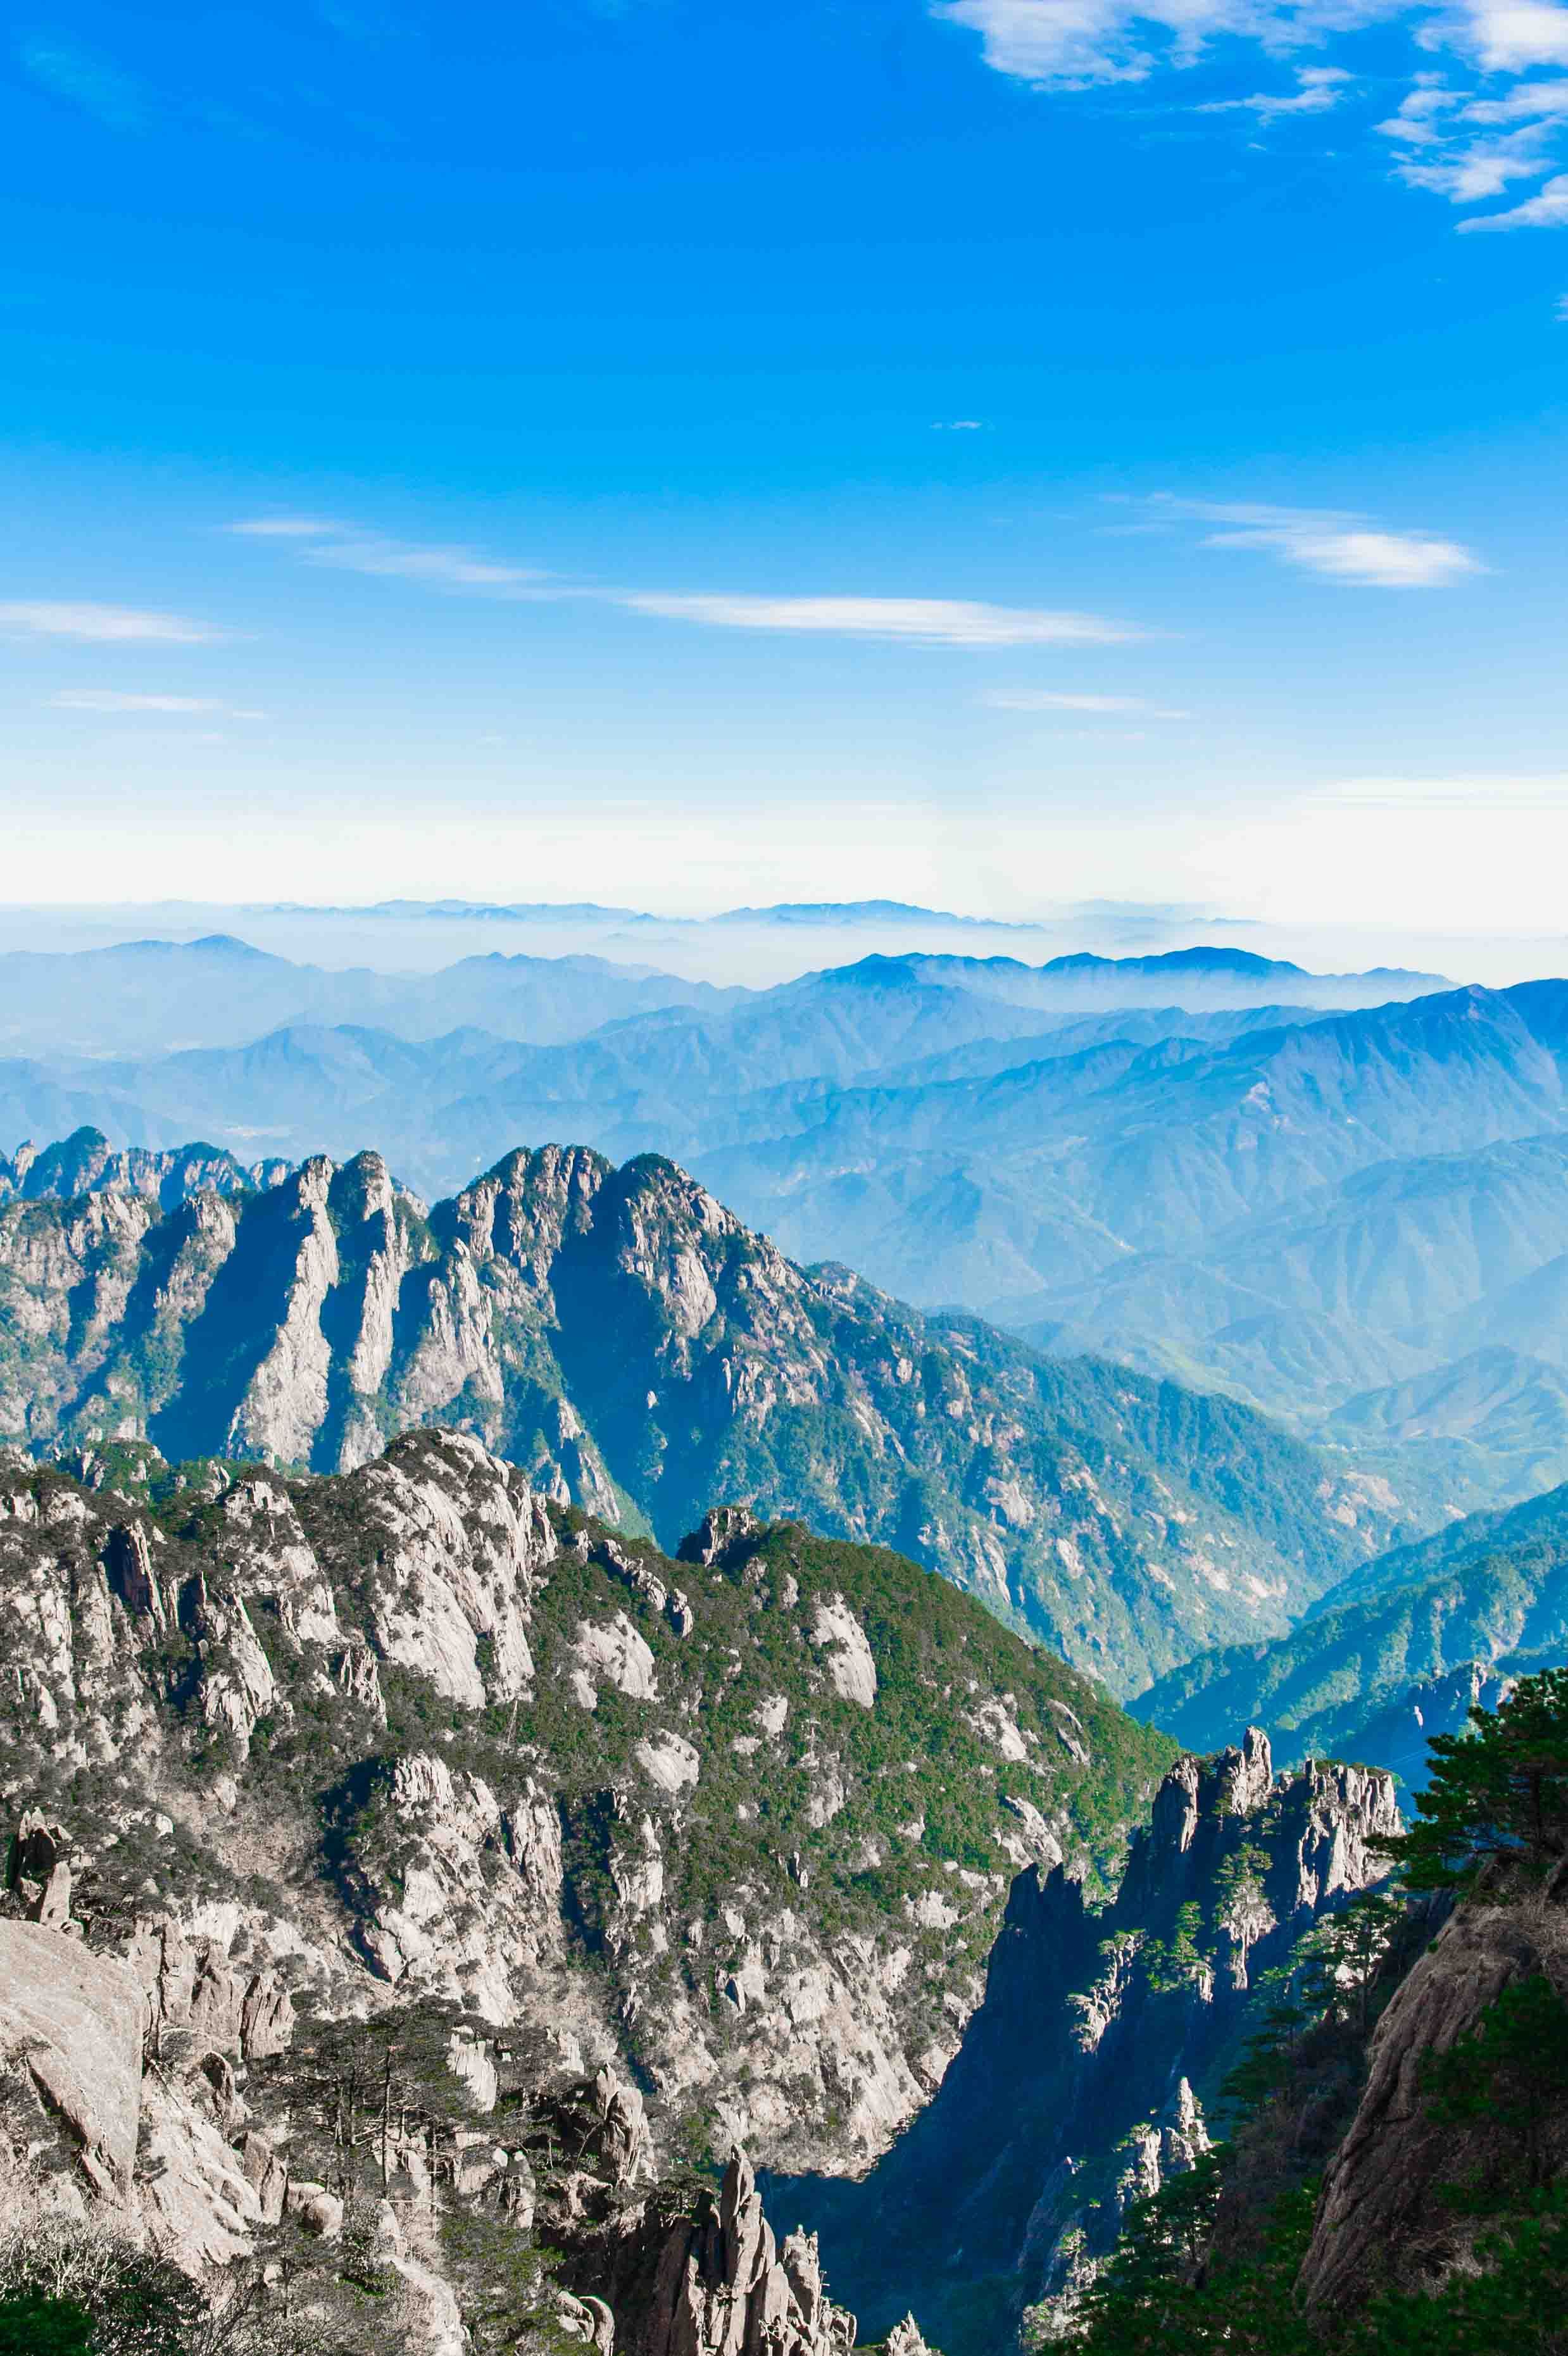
(1081, 2077)
(741, 1826)
(635, 1349)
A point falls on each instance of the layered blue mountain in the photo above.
(1358, 1221)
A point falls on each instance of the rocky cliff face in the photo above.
(638, 1351)
(1080, 2079)
(727, 1838)
(1381, 2219)
(86, 1163)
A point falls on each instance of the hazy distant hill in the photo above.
(1358, 1221)
(146, 997)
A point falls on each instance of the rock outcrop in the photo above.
(1380, 2217)
(70, 2024)
(716, 2282)
(1073, 2092)
(619, 1334)
(298, 1750)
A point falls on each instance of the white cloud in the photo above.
(1505, 36)
(957, 426)
(923, 621)
(1074, 44)
(1318, 89)
(1039, 698)
(111, 699)
(105, 624)
(1414, 123)
(1543, 99)
(1341, 547)
(351, 550)
(1548, 209)
(449, 568)
(286, 528)
(1481, 167)
(1084, 44)
(1561, 312)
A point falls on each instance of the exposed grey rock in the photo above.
(725, 2288)
(1381, 2213)
(72, 2022)
(722, 1528)
(620, 1332)
(841, 1639)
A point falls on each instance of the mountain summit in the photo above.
(635, 1349)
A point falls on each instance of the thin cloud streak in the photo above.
(286, 528)
(102, 625)
(921, 621)
(65, 71)
(917, 621)
(1319, 88)
(350, 550)
(1033, 699)
(1340, 547)
(114, 700)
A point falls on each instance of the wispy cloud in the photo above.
(448, 568)
(1039, 698)
(1341, 547)
(287, 527)
(110, 699)
(957, 426)
(922, 621)
(68, 70)
(105, 625)
(350, 550)
(1088, 44)
(1318, 88)
(1547, 209)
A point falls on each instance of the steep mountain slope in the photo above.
(628, 1343)
(744, 1824)
(1083, 2076)
(447, 1873)
(1396, 1654)
(445, 1876)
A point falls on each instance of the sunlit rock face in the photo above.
(634, 1348)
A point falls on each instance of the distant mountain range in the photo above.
(1357, 1220)
(637, 1350)
(148, 997)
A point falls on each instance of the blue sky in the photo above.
(1003, 453)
